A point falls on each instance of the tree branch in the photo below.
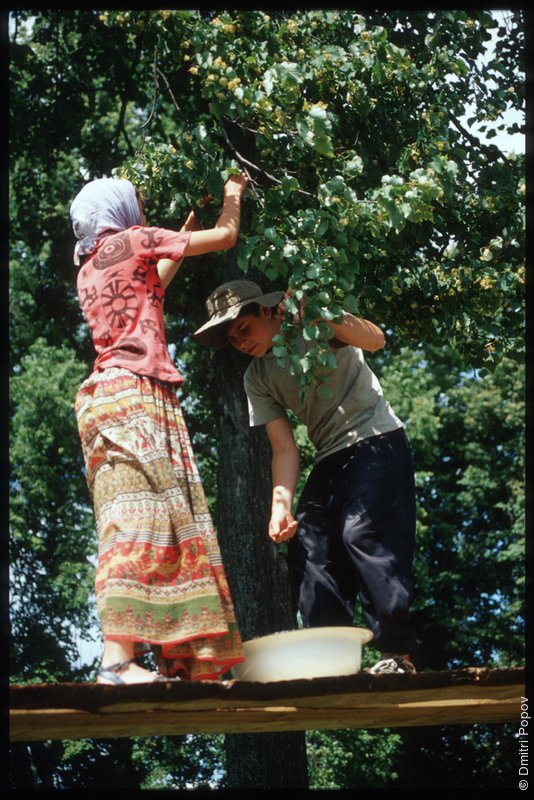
(491, 150)
(246, 163)
(125, 97)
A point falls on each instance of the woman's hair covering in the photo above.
(105, 204)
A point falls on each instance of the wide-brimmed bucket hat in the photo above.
(225, 303)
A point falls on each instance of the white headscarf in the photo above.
(105, 204)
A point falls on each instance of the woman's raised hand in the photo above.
(235, 185)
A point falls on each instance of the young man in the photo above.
(354, 529)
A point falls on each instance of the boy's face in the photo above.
(254, 335)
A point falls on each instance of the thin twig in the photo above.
(154, 98)
(167, 84)
(156, 87)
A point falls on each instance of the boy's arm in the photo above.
(285, 468)
(355, 331)
(358, 332)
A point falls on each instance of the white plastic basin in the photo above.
(304, 653)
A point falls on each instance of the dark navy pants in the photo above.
(356, 539)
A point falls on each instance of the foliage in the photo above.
(467, 756)
(347, 758)
(51, 523)
(201, 759)
(371, 190)
(467, 435)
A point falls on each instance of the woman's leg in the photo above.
(159, 577)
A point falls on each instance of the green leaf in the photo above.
(280, 351)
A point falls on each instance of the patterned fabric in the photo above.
(122, 298)
(160, 580)
(105, 204)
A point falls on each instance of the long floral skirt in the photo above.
(160, 580)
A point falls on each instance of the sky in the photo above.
(508, 143)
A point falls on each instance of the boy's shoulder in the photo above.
(256, 368)
(262, 373)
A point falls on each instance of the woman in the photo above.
(160, 583)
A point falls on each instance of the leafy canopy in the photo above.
(368, 193)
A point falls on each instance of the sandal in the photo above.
(110, 673)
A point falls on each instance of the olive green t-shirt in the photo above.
(355, 410)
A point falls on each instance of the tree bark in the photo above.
(255, 566)
(256, 569)
(266, 761)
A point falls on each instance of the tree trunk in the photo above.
(256, 570)
(266, 761)
(255, 566)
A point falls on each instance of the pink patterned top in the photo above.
(122, 298)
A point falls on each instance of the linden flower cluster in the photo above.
(225, 27)
(486, 282)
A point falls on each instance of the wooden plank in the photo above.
(74, 711)
(73, 724)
